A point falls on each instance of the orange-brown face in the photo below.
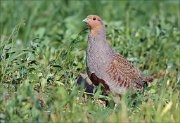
(93, 21)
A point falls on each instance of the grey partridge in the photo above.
(106, 66)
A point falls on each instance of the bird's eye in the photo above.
(94, 18)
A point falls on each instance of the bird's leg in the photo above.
(86, 78)
(116, 99)
(87, 82)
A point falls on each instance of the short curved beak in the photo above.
(85, 20)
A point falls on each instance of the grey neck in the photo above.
(97, 43)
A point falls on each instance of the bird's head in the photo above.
(93, 21)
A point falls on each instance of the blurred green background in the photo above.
(42, 51)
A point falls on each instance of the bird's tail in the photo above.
(140, 83)
(148, 79)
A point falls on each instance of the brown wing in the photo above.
(122, 72)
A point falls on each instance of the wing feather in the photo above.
(122, 72)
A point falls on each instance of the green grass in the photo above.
(41, 55)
